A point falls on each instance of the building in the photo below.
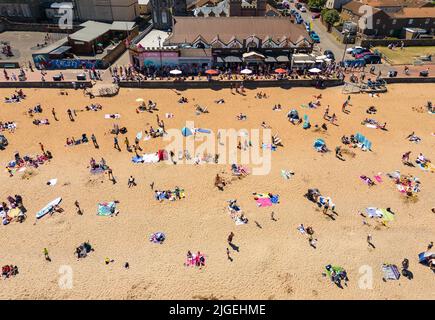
(144, 7)
(98, 10)
(222, 41)
(107, 10)
(232, 8)
(378, 23)
(164, 10)
(336, 4)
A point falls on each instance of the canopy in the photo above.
(186, 132)
(280, 70)
(253, 55)
(212, 72)
(315, 70)
(176, 71)
(246, 71)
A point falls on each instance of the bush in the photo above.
(331, 16)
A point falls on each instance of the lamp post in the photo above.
(160, 50)
(346, 39)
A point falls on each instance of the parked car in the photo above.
(329, 54)
(359, 51)
(354, 63)
(303, 9)
(298, 5)
(292, 11)
(350, 50)
(372, 59)
(361, 55)
(314, 36)
(316, 15)
(299, 20)
(307, 26)
(3, 142)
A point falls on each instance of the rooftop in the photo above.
(415, 13)
(188, 29)
(151, 40)
(94, 29)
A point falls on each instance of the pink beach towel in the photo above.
(264, 202)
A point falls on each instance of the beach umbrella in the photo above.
(212, 72)
(176, 72)
(186, 132)
(280, 71)
(315, 70)
(246, 71)
(139, 100)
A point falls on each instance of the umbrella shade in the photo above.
(315, 70)
(246, 71)
(280, 70)
(139, 100)
(186, 132)
(212, 72)
(175, 71)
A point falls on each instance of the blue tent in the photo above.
(186, 132)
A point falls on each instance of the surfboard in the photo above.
(48, 208)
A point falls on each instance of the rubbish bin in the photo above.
(81, 77)
(57, 77)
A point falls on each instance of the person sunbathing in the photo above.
(220, 101)
(371, 110)
(265, 126)
(421, 159)
(277, 108)
(242, 117)
(367, 180)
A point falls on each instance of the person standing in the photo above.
(47, 257)
(131, 182)
(42, 147)
(94, 141)
(116, 143)
(53, 112)
(70, 116)
(79, 210)
(230, 238)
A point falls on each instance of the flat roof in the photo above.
(123, 25)
(151, 40)
(60, 50)
(91, 31)
(52, 46)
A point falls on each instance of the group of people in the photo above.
(16, 207)
(17, 96)
(170, 195)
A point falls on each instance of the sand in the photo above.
(274, 261)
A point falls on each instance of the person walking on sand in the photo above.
(70, 116)
(369, 240)
(131, 182)
(53, 112)
(116, 143)
(127, 143)
(94, 141)
(326, 114)
(42, 147)
(228, 255)
(230, 237)
(79, 210)
(405, 157)
(47, 257)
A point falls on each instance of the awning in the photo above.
(282, 59)
(270, 59)
(60, 50)
(232, 59)
(253, 55)
(219, 60)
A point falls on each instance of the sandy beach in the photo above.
(274, 260)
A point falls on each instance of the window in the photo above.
(391, 32)
(164, 17)
(394, 21)
(378, 21)
(427, 21)
(411, 21)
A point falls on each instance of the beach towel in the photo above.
(52, 182)
(112, 116)
(146, 158)
(373, 212)
(97, 170)
(106, 208)
(372, 126)
(306, 124)
(264, 202)
(158, 237)
(390, 271)
(386, 216)
(139, 135)
(378, 177)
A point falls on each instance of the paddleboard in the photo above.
(48, 208)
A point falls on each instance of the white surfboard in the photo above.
(48, 208)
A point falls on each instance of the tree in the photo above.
(316, 3)
(331, 16)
